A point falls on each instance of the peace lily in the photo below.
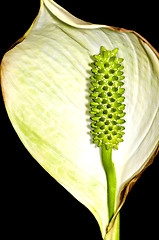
(45, 81)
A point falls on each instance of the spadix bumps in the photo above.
(107, 99)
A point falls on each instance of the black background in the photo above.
(33, 203)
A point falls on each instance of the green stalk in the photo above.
(111, 189)
(111, 179)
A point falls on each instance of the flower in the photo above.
(45, 79)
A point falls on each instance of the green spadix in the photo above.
(45, 79)
(107, 100)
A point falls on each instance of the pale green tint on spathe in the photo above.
(45, 86)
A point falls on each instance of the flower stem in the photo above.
(111, 179)
(109, 168)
